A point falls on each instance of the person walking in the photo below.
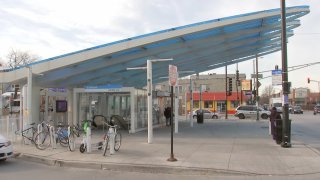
(167, 114)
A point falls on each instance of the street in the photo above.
(14, 169)
(305, 128)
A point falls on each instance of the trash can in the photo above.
(278, 131)
(200, 117)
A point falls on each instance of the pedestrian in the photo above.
(167, 114)
(273, 117)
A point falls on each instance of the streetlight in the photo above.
(149, 90)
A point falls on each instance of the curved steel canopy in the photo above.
(199, 47)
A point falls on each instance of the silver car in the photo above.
(6, 149)
(251, 111)
(206, 114)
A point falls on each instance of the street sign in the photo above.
(258, 84)
(276, 77)
(173, 75)
(246, 85)
(255, 75)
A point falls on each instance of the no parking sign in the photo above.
(173, 75)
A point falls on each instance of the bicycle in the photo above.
(43, 139)
(26, 133)
(62, 135)
(117, 138)
(84, 143)
(74, 131)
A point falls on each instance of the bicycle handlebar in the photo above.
(114, 126)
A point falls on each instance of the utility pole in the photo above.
(257, 88)
(286, 125)
(226, 105)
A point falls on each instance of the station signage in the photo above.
(276, 77)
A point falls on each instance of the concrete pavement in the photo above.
(218, 146)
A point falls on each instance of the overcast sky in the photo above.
(49, 28)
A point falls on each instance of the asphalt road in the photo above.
(305, 128)
(14, 169)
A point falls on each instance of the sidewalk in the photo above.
(218, 146)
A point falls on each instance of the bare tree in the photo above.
(18, 58)
(266, 94)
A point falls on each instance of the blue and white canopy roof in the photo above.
(198, 47)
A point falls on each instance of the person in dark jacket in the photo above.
(273, 117)
(167, 114)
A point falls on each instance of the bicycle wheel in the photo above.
(72, 142)
(63, 141)
(42, 140)
(105, 145)
(117, 142)
(82, 148)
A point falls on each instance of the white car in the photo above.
(6, 150)
(251, 111)
(206, 114)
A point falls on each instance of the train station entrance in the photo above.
(127, 106)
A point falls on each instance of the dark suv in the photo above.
(316, 109)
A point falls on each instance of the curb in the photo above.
(140, 168)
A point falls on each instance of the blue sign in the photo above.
(277, 72)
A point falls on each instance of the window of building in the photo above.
(221, 106)
(208, 104)
(196, 104)
(233, 104)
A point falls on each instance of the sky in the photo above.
(48, 28)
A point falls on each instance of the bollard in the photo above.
(53, 137)
(88, 143)
(111, 140)
(39, 128)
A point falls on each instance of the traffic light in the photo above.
(230, 86)
(308, 80)
(237, 75)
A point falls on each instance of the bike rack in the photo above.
(73, 145)
(52, 138)
(89, 149)
(111, 140)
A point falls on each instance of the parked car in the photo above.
(207, 114)
(296, 110)
(316, 109)
(243, 112)
(6, 150)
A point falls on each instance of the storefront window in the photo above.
(233, 104)
(221, 106)
(208, 104)
(196, 104)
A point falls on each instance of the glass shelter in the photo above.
(127, 103)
